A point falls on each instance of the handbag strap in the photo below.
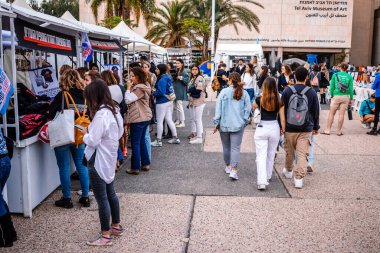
(72, 100)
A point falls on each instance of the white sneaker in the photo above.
(176, 122)
(298, 183)
(156, 143)
(174, 141)
(261, 187)
(287, 174)
(180, 125)
(233, 174)
(366, 126)
(228, 169)
(90, 193)
(196, 141)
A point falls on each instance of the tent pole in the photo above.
(134, 51)
(14, 79)
(79, 58)
(1, 43)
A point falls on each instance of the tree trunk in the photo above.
(206, 38)
(216, 38)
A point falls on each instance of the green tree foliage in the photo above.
(169, 29)
(113, 21)
(59, 7)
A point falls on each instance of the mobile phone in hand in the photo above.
(79, 127)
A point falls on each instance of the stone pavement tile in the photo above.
(348, 144)
(338, 177)
(153, 223)
(246, 224)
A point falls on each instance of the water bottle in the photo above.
(349, 111)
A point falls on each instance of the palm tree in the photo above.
(125, 9)
(168, 29)
(227, 12)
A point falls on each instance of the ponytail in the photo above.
(238, 86)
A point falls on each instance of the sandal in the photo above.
(325, 133)
(340, 134)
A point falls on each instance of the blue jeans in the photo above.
(106, 198)
(310, 157)
(140, 154)
(5, 169)
(120, 156)
(251, 93)
(147, 143)
(63, 161)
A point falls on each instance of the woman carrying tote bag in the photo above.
(102, 140)
(70, 83)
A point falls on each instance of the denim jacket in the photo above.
(232, 115)
(3, 146)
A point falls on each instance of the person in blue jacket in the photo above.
(164, 106)
(367, 111)
(376, 87)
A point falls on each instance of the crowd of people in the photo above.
(285, 111)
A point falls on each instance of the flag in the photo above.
(86, 47)
(6, 91)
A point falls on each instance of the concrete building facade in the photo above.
(295, 28)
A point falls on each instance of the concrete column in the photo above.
(280, 53)
(348, 54)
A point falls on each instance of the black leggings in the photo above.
(377, 111)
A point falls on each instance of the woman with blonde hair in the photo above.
(268, 131)
(232, 112)
(71, 86)
(63, 68)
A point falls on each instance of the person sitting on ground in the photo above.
(367, 111)
(376, 87)
(302, 120)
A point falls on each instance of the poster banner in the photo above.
(44, 81)
(36, 37)
(6, 91)
(116, 69)
(106, 45)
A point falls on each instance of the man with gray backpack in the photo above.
(302, 120)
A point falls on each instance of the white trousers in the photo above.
(179, 112)
(165, 111)
(196, 113)
(266, 138)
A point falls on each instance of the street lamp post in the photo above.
(212, 40)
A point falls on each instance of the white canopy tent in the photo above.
(224, 51)
(123, 29)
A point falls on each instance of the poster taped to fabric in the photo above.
(35, 37)
(116, 69)
(44, 81)
(6, 91)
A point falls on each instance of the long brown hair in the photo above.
(71, 79)
(148, 74)
(108, 77)
(97, 94)
(270, 98)
(140, 75)
(288, 70)
(94, 75)
(63, 68)
(235, 79)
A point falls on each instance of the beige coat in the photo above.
(200, 84)
(139, 111)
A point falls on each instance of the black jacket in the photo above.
(78, 98)
(240, 71)
(312, 122)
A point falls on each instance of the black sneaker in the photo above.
(85, 201)
(65, 203)
(373, 132)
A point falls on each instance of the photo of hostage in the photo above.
(47, 77)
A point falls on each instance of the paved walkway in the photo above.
(187, 204)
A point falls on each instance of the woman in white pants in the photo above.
(180, 80)
(164, 107)
(268, 131)
(197, 103)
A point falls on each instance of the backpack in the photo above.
(315, 80)
(82, 120)
(215, 84)
(298, 107)
(341, 86)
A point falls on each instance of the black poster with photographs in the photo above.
(35, 37)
